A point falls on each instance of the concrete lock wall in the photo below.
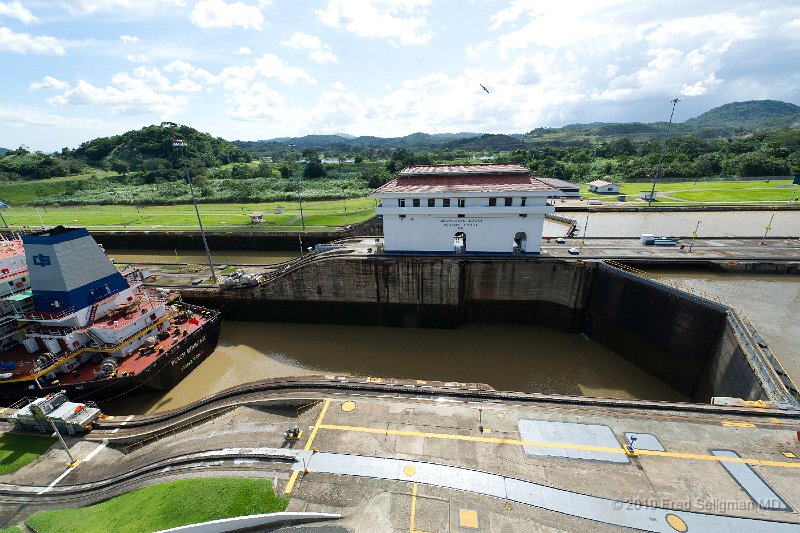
(680, 339)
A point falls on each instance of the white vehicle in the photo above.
(239, 280)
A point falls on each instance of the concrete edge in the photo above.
(246, 522)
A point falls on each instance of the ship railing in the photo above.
(12, 273)
(100, 346)
(777, 384)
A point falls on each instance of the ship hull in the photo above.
(162, 375)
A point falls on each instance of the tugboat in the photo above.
(86, 329)
(239, 280)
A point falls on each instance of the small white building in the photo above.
(463, 209)
(603, 187)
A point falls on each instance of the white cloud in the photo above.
(243, 51)
(87, 7)
(131, 97)
(405, 20)
(48, 82)
(18, 117)
(271, 66)
(256, 102)
(318, 52)
(129, 38)
(219, 14)
(136, 58)
(145, 90)
(24, 43)
(16, 10)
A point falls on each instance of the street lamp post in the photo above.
(661, 157)
(181, 144)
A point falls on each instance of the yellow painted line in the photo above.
(413, 508)
(731, 424)
(293, 478)
(517, 442)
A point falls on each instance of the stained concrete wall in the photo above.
(682, 340)
(727, 371)
(415, 291)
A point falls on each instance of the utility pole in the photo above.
(72, 461)
(181, 144)
(661, 157)
(694, 236)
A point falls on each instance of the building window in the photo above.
(431, 202)
(461, 202)
(445, 202)
(523, 201)
(492, 202)
(401, 203)
(415, 202)
(461, 215)
(508, 201)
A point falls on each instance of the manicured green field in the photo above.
(233, 217)
(18, 450)
(12, 529)
(164, 506)
(737, 192)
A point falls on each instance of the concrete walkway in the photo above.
(609, 511)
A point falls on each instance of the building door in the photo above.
(460, 243)
(520, 242)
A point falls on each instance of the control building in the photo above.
(491, 209)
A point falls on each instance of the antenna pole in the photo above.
(661, 157)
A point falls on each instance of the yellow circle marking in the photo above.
(348, 406)
(676, 523)
(409, 470)
(501, 416)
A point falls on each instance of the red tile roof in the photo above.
(462, 170)
(431, 179)
(484, 183)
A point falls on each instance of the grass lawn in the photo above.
(164, 506)
(742, 192)
(318, 215)
(12, 529)
(18, 450)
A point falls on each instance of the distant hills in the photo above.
(3, 150)
(755, 114)
(729, 120)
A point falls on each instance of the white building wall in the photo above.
(489, 234)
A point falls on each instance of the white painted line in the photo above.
(96, 450)
(70, 469)
(123, 423)
(59, 478)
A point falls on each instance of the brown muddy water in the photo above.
(517, 358)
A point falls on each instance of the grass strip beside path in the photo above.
(164, 506)
(17, 450)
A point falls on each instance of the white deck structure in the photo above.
(463, 209)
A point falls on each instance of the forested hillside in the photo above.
(151, 149)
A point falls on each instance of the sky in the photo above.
(75, 70)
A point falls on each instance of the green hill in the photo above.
(151, 149)
(3, 150)
(751, 115)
